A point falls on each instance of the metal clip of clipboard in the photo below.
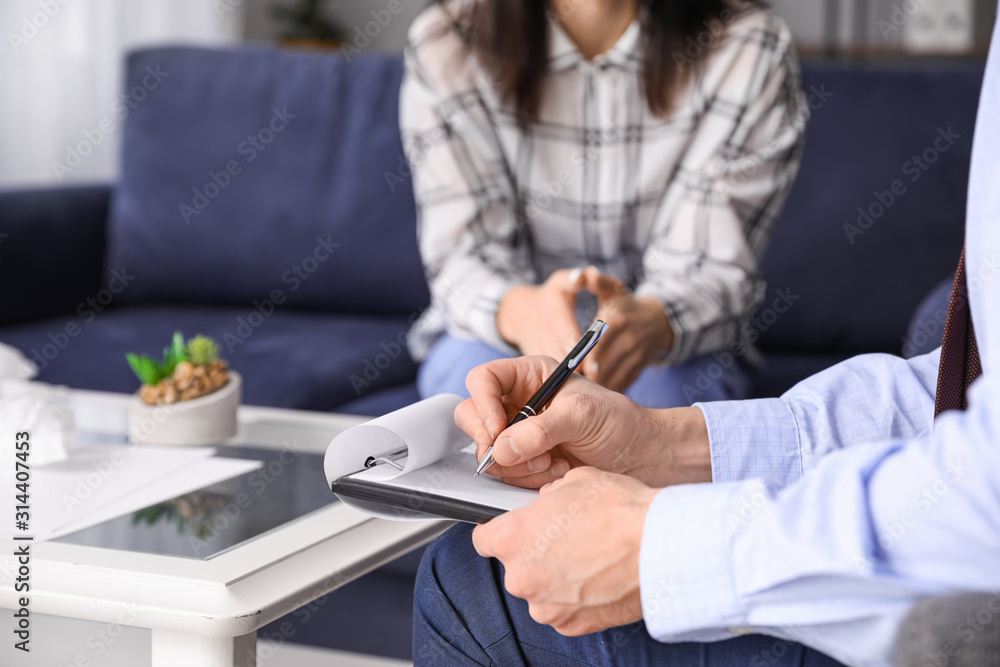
(387, 458)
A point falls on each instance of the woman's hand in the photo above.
(638, 329)
(541, 319)
(583, 425)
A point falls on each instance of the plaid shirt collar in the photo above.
(564, 54)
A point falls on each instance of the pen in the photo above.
(552, 384)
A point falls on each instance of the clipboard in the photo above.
(415, 463)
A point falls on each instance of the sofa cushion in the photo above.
(249, 170)
(289, 359)
(926, 330)
(784, 370)
(382, 402)
(52, 251)
(856, 277)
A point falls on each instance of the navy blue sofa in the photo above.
(264, 200)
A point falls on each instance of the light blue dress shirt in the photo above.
(839, 505)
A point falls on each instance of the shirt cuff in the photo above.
(756, 439)
(682, 338)
(685, 576)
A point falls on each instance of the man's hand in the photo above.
(638, 329)
(573, 554)
(583, 425)
(541, 319)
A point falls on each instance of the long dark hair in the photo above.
(511, 39)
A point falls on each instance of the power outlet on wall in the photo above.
(937, 25)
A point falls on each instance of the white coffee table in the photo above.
(205, 612)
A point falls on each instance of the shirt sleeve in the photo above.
(868, 398)
(472, 246)
(835, 560)
(718, 212)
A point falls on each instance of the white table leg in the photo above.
(173, 649)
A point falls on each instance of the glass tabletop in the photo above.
(213, 519)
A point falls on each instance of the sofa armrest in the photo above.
(926, 328)
(52, 244)
(959, 630)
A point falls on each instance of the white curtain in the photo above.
(61, 77)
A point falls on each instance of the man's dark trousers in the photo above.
(463, 616)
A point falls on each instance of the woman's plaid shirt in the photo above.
(680, 207)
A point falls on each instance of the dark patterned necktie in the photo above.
(960, 364)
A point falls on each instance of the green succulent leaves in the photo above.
(200, 351)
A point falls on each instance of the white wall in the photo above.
(805, 17)
(61, 70)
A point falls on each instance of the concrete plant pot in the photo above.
(207, 420)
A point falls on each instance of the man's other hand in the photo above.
(573, 554)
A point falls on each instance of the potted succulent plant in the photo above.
(188, 398)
